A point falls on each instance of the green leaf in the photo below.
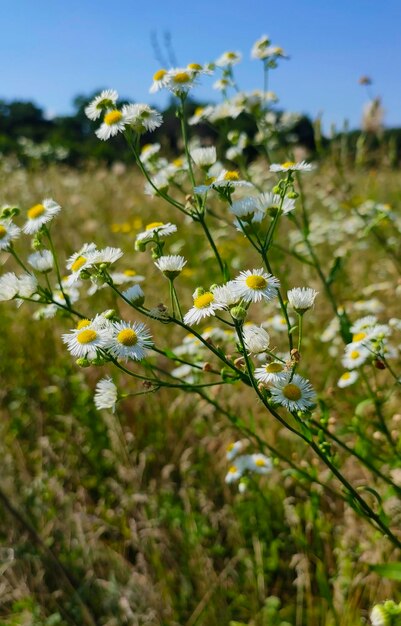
(392, 571)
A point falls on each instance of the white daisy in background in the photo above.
(364, 324)
(8, 286)
(275, 51)
(233, 449)
(204, 157)
(271, 373)
(222, 84)
(236, 470)
(105, 100)
(171, 265)
(226, 295)
(291, 166)
(129, 341)
(278, 323)
(160, 79)
(106, 394)
(40, 214)
(259, 48)
(141, 117)
(231, 178)
(256, 339)
(148, 151)
(8, 232)
(200, 115)
(27, 285)
(126, 276)
(41, 261)
(86, 339)
(107, 255)
(295, 395)
(256, 285)
(301, 298)
(156, 230)
(347, 379)
(355, 355)
(259, 463)
(134, 294)
(247, 209)
(205, 304)
(271, 202)
(180, 80)
(229, 58)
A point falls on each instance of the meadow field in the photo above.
(209, 483)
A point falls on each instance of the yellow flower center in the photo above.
(346, 376)
(146, 147)
(204, 300)
(358, 336)
(129, 272)
(292, 392)
(232, 469)
(159, 75)
(36, 211)
(3, 231)
(210, 180)
(260, 462)
(113, 117)
(87, 336)
(153, 225)
(230, 447)
(83, 324)
(127, 337)
(274, 368)
(231, 55)
(78, 263)
(354, 354)
(256, 282)
(231, 175)
(288, 164)
(199, 110)
(181, 78)
(194, 66)
(178, 162)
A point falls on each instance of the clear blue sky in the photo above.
(52, 50)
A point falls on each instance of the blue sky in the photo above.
(53, 50)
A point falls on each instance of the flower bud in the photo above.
(83, 362)
(238, 313)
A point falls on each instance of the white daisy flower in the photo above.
(259, 463)
(204, 157)
(274, 372)
(9, 285)
(291, 166)
(200, 114)
(364, 324)
(227, 59)
(106, 394)
(204, 305)
(156, 230)
(114, 122)
(247, 209)
(134, 294)
(269, 202)
(233, 449)
(27, 285)
(226, 178)
(81, 260)
(85, 340)
(301, 298)
(222, 84)
(126, 276)
(141, 117)
(107, 255)
(160, 80)
(148, 151)
(278, 323)
(236, 470)
(105, 100)
(40, 214)
(256, 339)
(130, 341)
(259, 48)
(8, 232)
(297, 395)
(275, 51)
(355, 355)
(226, 295)
(347, 379)
(180, 80)
(41, 261)
(256, 285)
(171, 265)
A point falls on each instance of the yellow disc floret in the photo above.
(153, 225)
(232, 470)
(194, 66)
(358, 336)
(78, 263)
(129, 272)
(355, 354)
(159, 75)
(36, 211)
(256, 282)
(181, 78)
(288, 164)
(204, 300)
(83, 324)
(274, 368)
(3, 231)
(260, 462)
(113, 117)
(231, 175)
(127, 337)
(345, 376)
(87, 336)
(292, 392)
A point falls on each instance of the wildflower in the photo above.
(233, 449)
(106, 394)
(228, 59)
(226, 295)
(171, 265)
(8, 232)
(85, 340)
(301, 298)
(355, 356)
(272, 202)
(40, 214)
(230, 178)
(27, 285)
(259, 48)
(141, 117)
(8, 286)
(129, 341)
(114, 122)
(364, 323)
(256, 339)
(236, 470)
(134, 294)
(259, 463)
(105, 100)
(200, 114)
(256, 285)
(347, 379)
(148, 151)
(41, 261)
(247, 209)
(180, 80)
(204, 157)
(222, 84)
(156, 230)
(80, 260)
(386, 614)
(204, 305)
(290, 166)
(278, 323)
(274, 372)
(295, 395)
(160, 79)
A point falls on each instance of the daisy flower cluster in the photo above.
(243, 464)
